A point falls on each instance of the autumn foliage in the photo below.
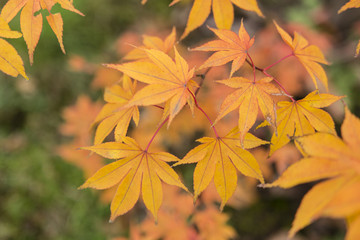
(159, 84)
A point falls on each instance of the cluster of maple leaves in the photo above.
(168, 83)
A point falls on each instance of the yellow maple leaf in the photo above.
(136, 169)
(302, 117)
(166, 79)
(114, 113)
(223, 12)
(249, 96)
(31, 20)
(218, 159)
(350, 4)
(308, 55)
(230, 47)
(10, 61)
(333, 158)
(152, 42)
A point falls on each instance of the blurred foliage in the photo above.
(38, 195)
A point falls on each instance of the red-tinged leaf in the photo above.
(135, 168)
(350, 4)
(231, 47)
(309, 56)
(248, 98)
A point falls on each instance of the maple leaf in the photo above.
(248, 98)
(333, 158)
(10, 61)
(350, 4)
(168, 80)
(31, 20)
(152, 42)
(223, 12)
(115, 112)
(308, 55)
(218, 159)
(302, 117)
(173, 221)
(230, 47)
(135, 168)
(78, 119)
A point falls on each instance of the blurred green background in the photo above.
(38, 190)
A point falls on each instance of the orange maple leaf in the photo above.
(302, 117)
(10, 61)
(333, 158)
(308, 55)
(31, 21)
(223, 12)
(212, 225)
(218, 159)
(135, 169)
(115, 112)
(230, 47)
(248, 98)
(168, 80)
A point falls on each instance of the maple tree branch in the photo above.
(156, 132)
(280, 85)
(203, 111)
(159, 107)
(263, 70)
(202, 77)
(253, 66)
(278, 61)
